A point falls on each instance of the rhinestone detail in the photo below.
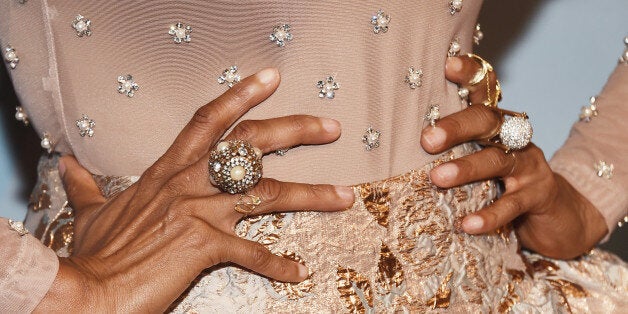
(454, 48)
(478, 35)
(86, 126)
(46, 143)
(18, 226)
(10, 56)
(371, 138)
(455, 6)
(604, 170)
(588, 112)
(413, 78)
(281, 34)
(327, 88)
(380, 21)
(624, 57)
(180, 33)
(20, 115)
(433, 114)
(126, 85)
(82, 26)
(229, 76)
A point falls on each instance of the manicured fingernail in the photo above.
(345, 192)
(453, 64)
(434, 136)
(267, 75)
(445, 172)
(61, 168)
(330, 125)
(472, 224)
(303, 271)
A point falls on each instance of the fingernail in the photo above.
(267, 75)
(330, 125)
(445, 172)
(345, 192)
(454, 64)
(434, 136)
(61, 168)
(472, 223)
(303, 271)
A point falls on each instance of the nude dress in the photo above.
(113, 83)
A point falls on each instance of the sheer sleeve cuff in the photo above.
(27, 271)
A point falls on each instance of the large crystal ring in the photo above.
(515, 132)
(235, 166)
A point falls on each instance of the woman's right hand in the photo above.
(138, 251)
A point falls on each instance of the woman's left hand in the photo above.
(550, 216)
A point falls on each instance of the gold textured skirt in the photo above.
(398, 249)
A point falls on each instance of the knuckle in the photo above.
(497, 159)
(240, 93)
(204, 116)
(246, 130)
(269, 190)
(320, 191)
(515, 207)
(261, 256)
(174, 187)
(298, 123)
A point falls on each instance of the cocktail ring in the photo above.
(235, 166)
(247, 203)
(481, 73)
(514, 132)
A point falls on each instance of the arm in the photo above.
(604, 138)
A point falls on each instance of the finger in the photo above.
(488, 163)
(259, 259)
(273, 134)
(276, 196)
(472, 123)
(501, 212)
(211, 121)
(80, 187)
(461, 71)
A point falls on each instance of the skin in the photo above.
(548, 214)
(138, 251)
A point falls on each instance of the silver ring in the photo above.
(235, 166)
(516, 132)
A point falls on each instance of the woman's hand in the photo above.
(549, 215)
(138, 251)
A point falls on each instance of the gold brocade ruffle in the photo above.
(396, 250)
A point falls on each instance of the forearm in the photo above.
(604, 138)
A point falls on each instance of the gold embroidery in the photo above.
(40, 199)
(354, 289)
(516, 275)
(59, 233)
(390, 272)
(544, 265)
(442, 296)
(568, 288)
(377, 202)
(293, 291)
(509, 300)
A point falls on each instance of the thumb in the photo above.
(80, 187)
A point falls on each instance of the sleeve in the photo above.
(594, 159)
(27, 271)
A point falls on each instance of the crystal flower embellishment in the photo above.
(46, 143)
(126, 85)
(180, 33)
(85, 126)
(281, 34)
(327, 88)
(229, 76)
(10, 56)
(454, 48)
(414, 77)
(82, 26)
(371, 138)
(20, 115)
(588, 112)
(455, 6)
(433, 114)
(604, 170)
(380, 21)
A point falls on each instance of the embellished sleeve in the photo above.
(594, 159)
(27, 271)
